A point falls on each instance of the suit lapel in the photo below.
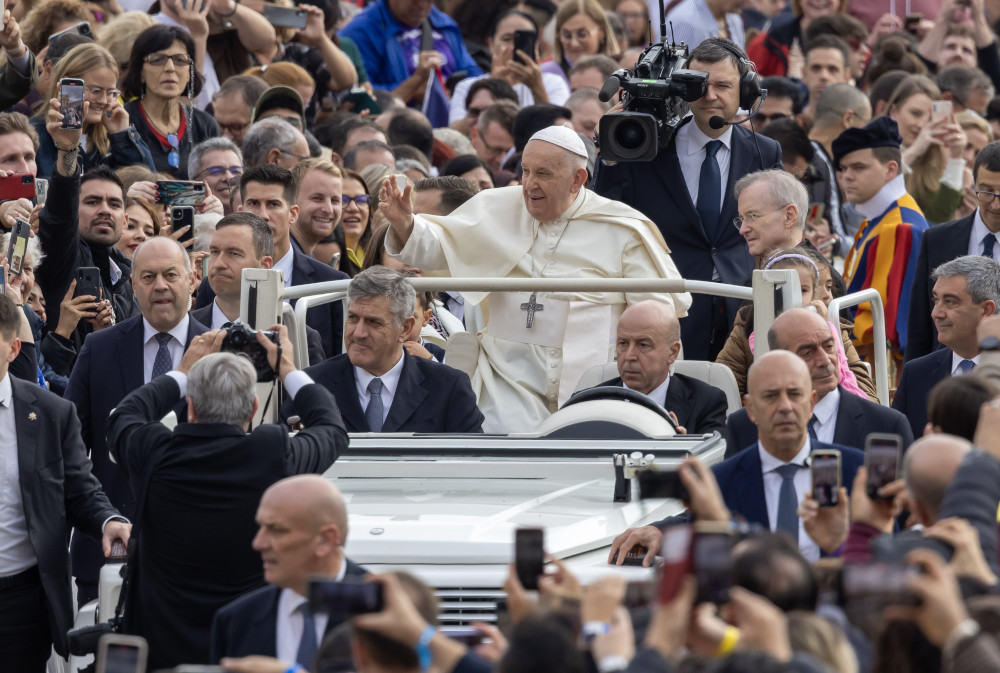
(670, 174)
(679, 400)
(345, 388)
(410, 394)
(263, 632)
(850, 419)
(195, 328)
(749, 486)
(28, 420)
(130, 360)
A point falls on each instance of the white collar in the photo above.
(827, 407)
(218, 317)
(768, 463)
(286, 264)
(657, 394)
(390, 380)
(979, 228)
(290, 600)
(891, 192)
(6, 391)
(956, 360)
(696, 139)
(179, 331)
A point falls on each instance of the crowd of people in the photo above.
(373, 140)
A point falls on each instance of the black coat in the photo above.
(657, 189)
(915, 384)
(699, 407)
(194, 539)
(201, 126)
(59, 492)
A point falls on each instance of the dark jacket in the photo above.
(699, 407)
(915, 384)
(201, 126)
(127, 149)
(194, 539)
(13, 85)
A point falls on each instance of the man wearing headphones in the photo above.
(689, 191)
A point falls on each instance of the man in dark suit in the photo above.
(270, 620)
(840, 417)
(648, 342)
(687, 190)
(765, 483)
(241, 241)
(378, 386)
(48, 486)
(115, 361)
(268, 191)
(201, 492)
(971, 235)
(966, 290)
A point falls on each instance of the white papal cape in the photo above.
(524, 374)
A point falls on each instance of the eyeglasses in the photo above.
(474, 112)
(99, 92)
(159, 60)
(174, 158)
(216, 171)
(752, 218)
(292, 154)
(632, 16)
(581, 35)
(986, 197)
(359, 200)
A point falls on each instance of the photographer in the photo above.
(196, 520)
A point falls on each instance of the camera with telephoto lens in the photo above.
(654, 94)
(241, 339)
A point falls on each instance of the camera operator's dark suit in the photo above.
(194, 539)
(657, 189)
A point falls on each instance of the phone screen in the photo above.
(826, 478)
(529, 556)
(713, 566)
(71, 103)
(18, 246)
(122, 658)
(676, 552)
(345, 598)
(882, 462)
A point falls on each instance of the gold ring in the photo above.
(201, 341)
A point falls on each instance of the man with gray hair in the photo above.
(200, 484)
(378, 386)
(772, 205)
(272, 140)
(968, 88)
(216, 161)
(966, 290)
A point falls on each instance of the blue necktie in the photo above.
(988, 242)
(375, 410)
(812, 428)
(710, 190)
(967, 366)
(788, 501)
(163, 362)
(307, 645)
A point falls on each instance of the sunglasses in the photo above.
(360, 199)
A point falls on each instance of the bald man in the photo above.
(302, 528)
(648, 342)
(779, 401)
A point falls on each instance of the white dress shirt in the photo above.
(657, 394)
(956, 363)
(772, 489)
(979, 231)
(825, 412)
(151, 346)
(691, 141)
(218, 317)
(16, 552)
(289, 623)
(390, 381)
(285, 265)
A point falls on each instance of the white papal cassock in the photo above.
(524, 373)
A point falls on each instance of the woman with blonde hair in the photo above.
(108, 137)
(50, 17)
(978, 134)
(582, 29)
(932, 148)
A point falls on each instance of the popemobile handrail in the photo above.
(878, 332)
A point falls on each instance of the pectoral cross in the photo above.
(531, 306)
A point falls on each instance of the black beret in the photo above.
(880, 132)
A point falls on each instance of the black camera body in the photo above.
(241, 339)
(654, 93)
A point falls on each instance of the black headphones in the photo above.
(750, 89)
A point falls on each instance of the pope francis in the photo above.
(535, 346)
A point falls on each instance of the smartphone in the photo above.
(712, 559)
(71, 102)
(88, 282)
(529, 556)
(182, 216)
(870, 587)
(204, 266)
(17, 186)
(285, 17)
(41, 191)
(401, 182)
(19, 234)
(825, 472)
(180, 192)
(882, 452)
(362, 100)
(940, 109)
(346, 598)
(3, 284)
(640, 594)
(117, 653)
(526, 41)
(467, 635)
(676, 553)
(662, 484)
(816, 212)
(82, 28)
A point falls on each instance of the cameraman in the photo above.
(203, 481)
(689, 195)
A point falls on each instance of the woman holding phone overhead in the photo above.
(108, 137)
(161, 83)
